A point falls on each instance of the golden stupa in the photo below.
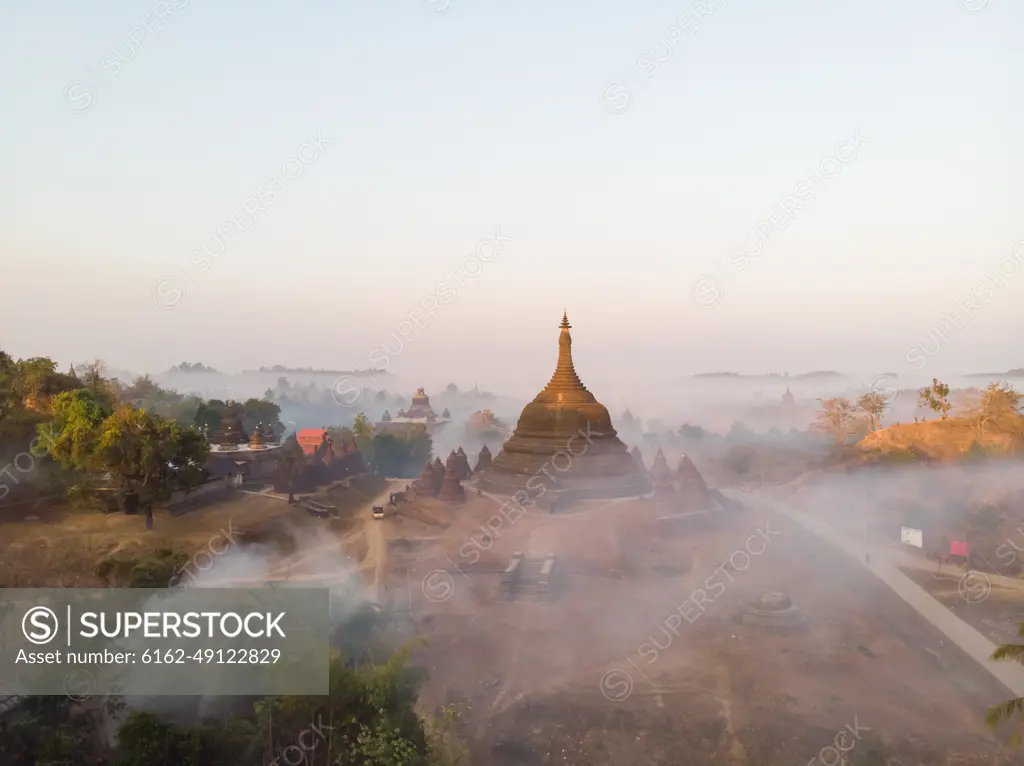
(564, 443)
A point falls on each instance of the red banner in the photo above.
(958, 549)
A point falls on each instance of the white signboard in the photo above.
(911, 536)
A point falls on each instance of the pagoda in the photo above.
(694, 494)
(662, 476)
(462, 462)
(788, 401)
(483, 460)
(439, 470)
(638, 457)
(452, 490)
(567, 421)
(256, 438)
(424, 485)
(231, 434)
(420, 405)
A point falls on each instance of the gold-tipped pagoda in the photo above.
(567, 434)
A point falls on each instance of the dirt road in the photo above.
(376, 541)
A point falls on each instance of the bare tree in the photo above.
(837, 418)
(997, 406)
(873, 405)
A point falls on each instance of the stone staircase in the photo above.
(528, 577)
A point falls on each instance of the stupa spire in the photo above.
(565, 379)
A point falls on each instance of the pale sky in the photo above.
(134, 130)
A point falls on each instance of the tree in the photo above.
(995, 407)
(452, 389)
(402, 453)
(35, 379)
(1007, 710)
(935, 397)
(837, 418)
(8, 384)
(73, 434)
(149, 456)
(484, 425)
(256, 411)
(293, 460)
(873, 405)
(362, 429)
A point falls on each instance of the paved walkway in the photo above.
(1010, 674)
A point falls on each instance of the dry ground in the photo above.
(581, 680)
(979, 600)
(59, 546)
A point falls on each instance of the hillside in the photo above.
(936, 440)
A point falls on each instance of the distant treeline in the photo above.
(307, 370)
(192, 367)
(1017, 372)
(801, 376)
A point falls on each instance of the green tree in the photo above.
(149, 457)
(293, 460)
(36, 377)
(873, 405)
(71, 437)
(362, 429)
(1006, 711)
(935, 397)
(256, 411)
(401, 453)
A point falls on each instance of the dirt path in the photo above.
(376, 541)
(376, 556)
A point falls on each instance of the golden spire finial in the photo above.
(565, 320)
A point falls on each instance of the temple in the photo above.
(568, 433)
(234, 453)
(420, 413)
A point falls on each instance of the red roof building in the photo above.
(310, 439)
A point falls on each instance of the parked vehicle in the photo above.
(378, 512)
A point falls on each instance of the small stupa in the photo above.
(445, 414)
(694, 492)
(425, 485)
(483, 461)
(386, 417)
(231, 434)
(452, 490)
(662, 476)
(465, 471)
(269, 437)
(256, 438)
(438, 467)
(639, 458)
